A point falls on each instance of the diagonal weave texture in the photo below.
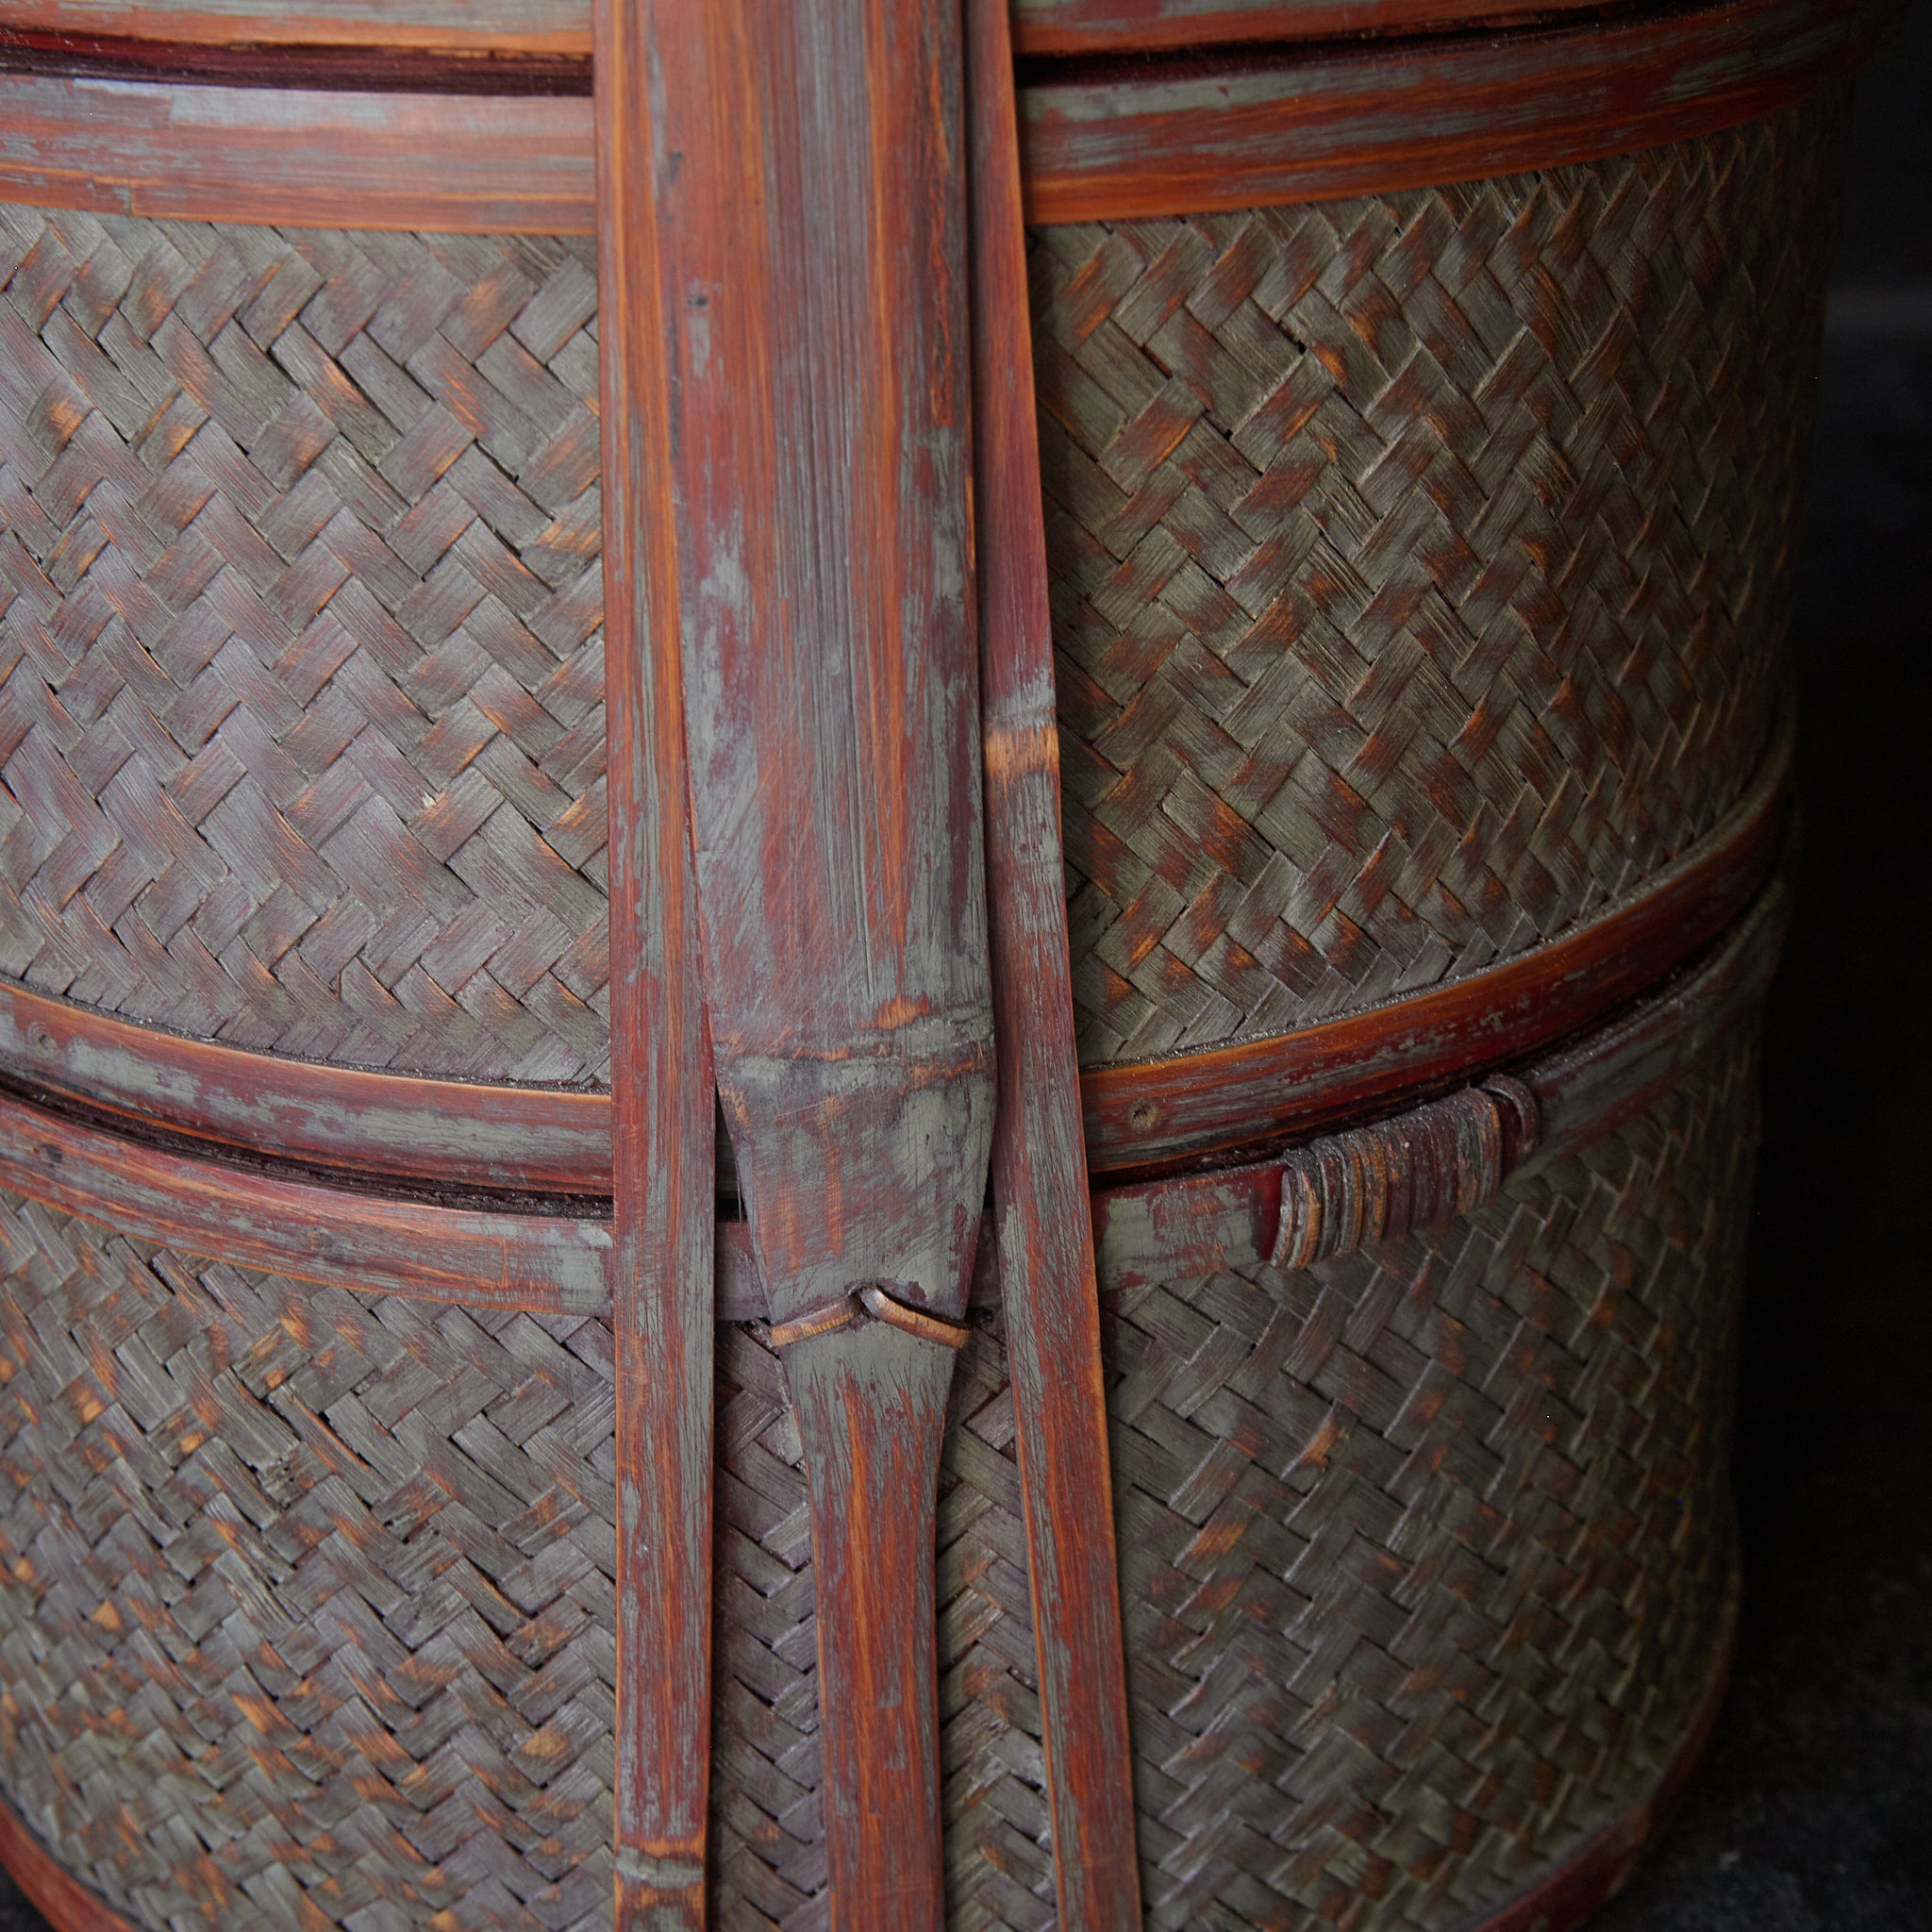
(1425, 1556)
(768, 1835)
(1420, 569)
(301, 665)
(307, 1608)
(1420, 565)
(306, 1613)
(1426, 1549)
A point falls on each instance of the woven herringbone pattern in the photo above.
(1425, 1548)
(307, 1596)
(1420, 565)
(301, 667)
(307, 1608)
(1425, 1552)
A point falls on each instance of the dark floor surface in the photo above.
(1813, 1811)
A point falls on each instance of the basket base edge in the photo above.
(1580, 1882)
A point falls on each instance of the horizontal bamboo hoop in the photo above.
(563, 26)
(490, 1138)
(340, 1122)
(495, 26)
(306, 1230)
(1357, 121)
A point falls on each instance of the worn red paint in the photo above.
(397, 68)
(302, 1228)
(394, 1126)
(662, 1106)
(1039, 1164)
(1230, 1217)
(807, 175)
(283, 154)
(1198, 1107)
(1233, 132)
(814, 589)
(547, 27)
(1327, 120)
(1093, 27)
(871, 1406)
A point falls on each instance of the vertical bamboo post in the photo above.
(1038, 1155)
(661, 1084)
(806, 169)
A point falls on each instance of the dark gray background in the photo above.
(1813, 1812)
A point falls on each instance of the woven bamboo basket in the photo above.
(1328, 841)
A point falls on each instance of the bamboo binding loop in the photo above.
(881, 911)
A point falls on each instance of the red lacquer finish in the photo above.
(1237, 128)
(300, 1228)
(663, 1105)
(1039, 1162)
(359, 68)
(62, 1900)
(1143, 1117)
(836, 873)
(1193, 1225)
(562, 27)
(1125, 26)
(805, 160)
(394, 1126)
(520, 26)
(1233, 132)
(470, 162)
(813, 305)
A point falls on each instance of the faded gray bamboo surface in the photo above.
(805, 170)
(1445, 1518)
(394, 1580)
(1040, 1182)
(1426, 1546)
